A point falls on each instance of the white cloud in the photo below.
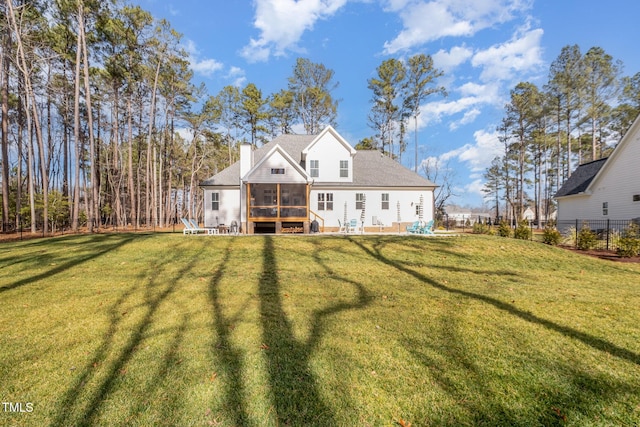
(283, 22)
(237, 75)
(503, 61)
(206, 67)
(425, 21)
(480, 154)
(203, 66)
(454, 57)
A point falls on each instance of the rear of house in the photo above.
(296, 179)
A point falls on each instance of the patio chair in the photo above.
(188, 227)
(414, 228)
(343, 227)
(353, 226)
(191, 227)
(197, 229)
(427, 228)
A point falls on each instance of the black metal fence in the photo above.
(608, 231)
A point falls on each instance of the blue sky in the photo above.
(484, 47)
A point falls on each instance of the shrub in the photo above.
(551, 236)
(629, 243)
(522, 231)
(569, 237)
(587, 239)
(504, 229)
(480, 228)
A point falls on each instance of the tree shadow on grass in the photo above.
(458, 373)
(72, 409)
(229, 356)
(97, 246)
(294, 389)
(594, 342)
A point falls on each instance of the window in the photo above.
(359, 201)
(385, 201)
(314, 168)
(215, 201)
(325, 201)
(605, 208)
(636, 197)
(344, 168)
(277, 171)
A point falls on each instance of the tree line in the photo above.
(585, 107)
(92, 96)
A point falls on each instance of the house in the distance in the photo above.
(293, 180)
(607, 188)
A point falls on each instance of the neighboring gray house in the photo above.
(286, 184)
(606, 188)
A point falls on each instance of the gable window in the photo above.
(344, 168)
(325, 201)
(359, 201)
(636, 197)
(277, 171)
(314, 168)
(605, 208)
(385, 201)
(215, 201)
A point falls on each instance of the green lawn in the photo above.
(176, 330)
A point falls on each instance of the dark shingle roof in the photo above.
(579, 181)
(370, 167)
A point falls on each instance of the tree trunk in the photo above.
(4, 87)
(93, 206)
(76, 131)
(31, 101)
(132, 195)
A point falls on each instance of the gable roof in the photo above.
(370, 167)
(586, 174)
(291, 144)
(277, 148)
(579, 181)
(337, 136)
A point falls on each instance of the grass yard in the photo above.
(166, 329)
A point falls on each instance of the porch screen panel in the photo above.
(264, 201)
(293, 200)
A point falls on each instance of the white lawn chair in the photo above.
(188, 227)
(197, 229)
(343, 227)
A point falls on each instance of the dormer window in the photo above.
(314, 168)
(344, 168)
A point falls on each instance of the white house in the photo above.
(295, 179)
(606, 188)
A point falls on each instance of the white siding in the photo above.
(408, 199)
(329, 151)
(276, 161)
(229, 207)
(618, 181)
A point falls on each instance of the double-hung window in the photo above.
(385, 201)
(325, 201)
(314, 168)
(215, 201)
(344, 168)
(359, 201)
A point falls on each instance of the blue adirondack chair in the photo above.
(427, 228)
(414, 228)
